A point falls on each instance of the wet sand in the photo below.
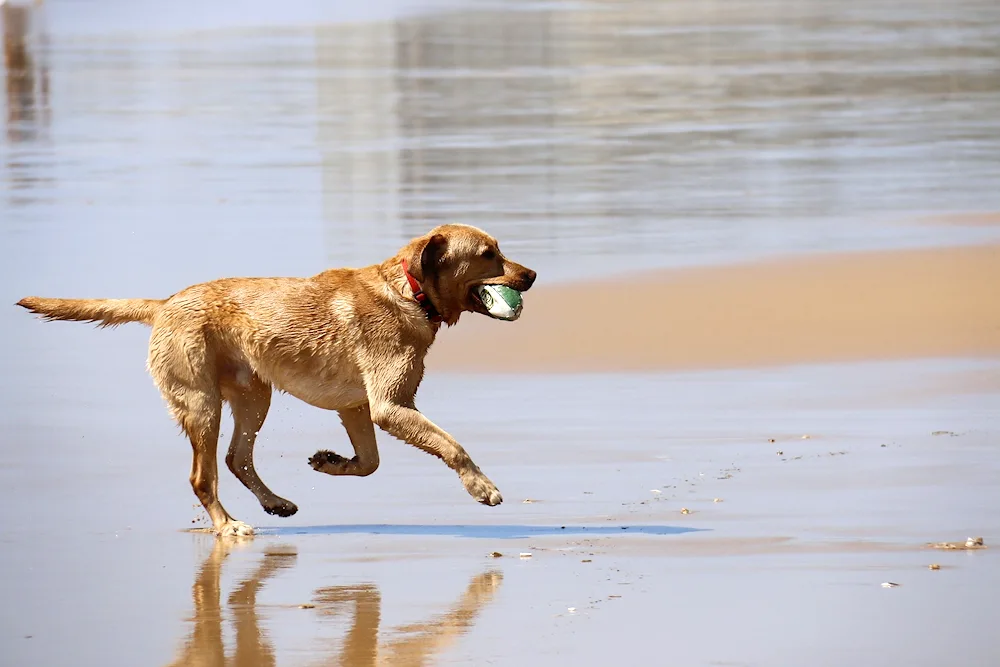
(396, 569)
(943, 302)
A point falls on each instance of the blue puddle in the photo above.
(492, 532)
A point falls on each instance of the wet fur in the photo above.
(350, 340)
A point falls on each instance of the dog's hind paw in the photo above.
(281, 507)
(234, 528)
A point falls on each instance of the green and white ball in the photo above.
(502, 302)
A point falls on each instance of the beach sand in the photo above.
(907, 304)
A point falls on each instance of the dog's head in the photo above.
(452, 260)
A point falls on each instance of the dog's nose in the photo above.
(529, 277)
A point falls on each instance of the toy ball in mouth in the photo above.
(500, 301)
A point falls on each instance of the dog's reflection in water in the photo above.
(204, 646)
(416, 643)
(414, 646)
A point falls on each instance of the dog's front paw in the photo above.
(482, 489)
(323, 460)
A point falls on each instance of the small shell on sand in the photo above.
(496, 554)
(933, 566)
(685, 510)
(969, 545)
(525, 555)
(889, 584)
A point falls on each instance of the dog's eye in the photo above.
(488, 254)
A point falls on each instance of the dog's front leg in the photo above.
(409, 425)
(358, 423)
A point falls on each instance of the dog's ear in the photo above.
(432, 256)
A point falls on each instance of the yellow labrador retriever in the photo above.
(350, 340)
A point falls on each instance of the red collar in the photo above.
(419, 296)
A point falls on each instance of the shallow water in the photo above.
(148, 146)
(499, 532)
(588, 137)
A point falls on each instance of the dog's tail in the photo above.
(105, 312)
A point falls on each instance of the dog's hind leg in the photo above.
(186, 375)
(200, 417)
(250, 401)
(361, 431)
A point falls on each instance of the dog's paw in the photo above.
(324, 459)
(234, 528)
(482, 489)
(491, 498)
(280, 507)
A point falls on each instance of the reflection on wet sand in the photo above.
(565, 124)
(26, 84)
(414, 646)
(204, 646)
(26, 81)
(417, 642)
